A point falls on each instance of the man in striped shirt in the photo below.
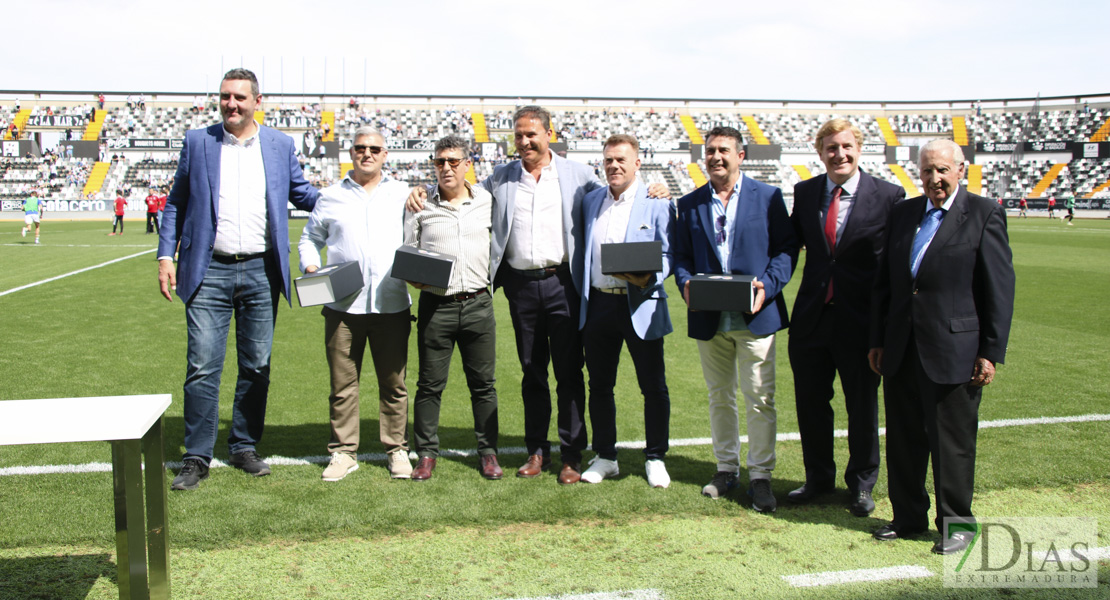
(456, 221)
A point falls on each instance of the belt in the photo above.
(229, 259)
(543, 273)
(460, 296)
(617, 291)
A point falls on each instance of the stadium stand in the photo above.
(662, 130)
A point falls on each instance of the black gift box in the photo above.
(722, 292)
(632, 257)
(329, 284)
(423, 266)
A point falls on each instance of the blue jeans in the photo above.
(248, 290)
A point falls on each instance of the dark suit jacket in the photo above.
(575, 180)
(193, 205)
(762, 244)
(856, 257)
(960, 305)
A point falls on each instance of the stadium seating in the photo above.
(62, 178)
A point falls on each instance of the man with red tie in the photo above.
(841, 219)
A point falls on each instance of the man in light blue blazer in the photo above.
(627, 308)
(735, 224)
(226, 219)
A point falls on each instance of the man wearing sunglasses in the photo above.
(536, 256)
(362, 219)
(455, 221)
(735, 224)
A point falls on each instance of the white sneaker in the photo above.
(24, 230)
(657, 475)
(600, 468)
(341, 464)
(399, 465)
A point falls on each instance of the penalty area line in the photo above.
(98, 467)
(77, 272)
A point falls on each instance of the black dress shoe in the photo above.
(957, 542)
(809, 491)
(889, 532)
(862, 504)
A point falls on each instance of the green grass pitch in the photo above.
(107, 331)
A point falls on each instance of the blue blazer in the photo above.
(763, 245)
(575, 180)
(193, 204)
(651, 219)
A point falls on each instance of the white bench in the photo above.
(133, 426)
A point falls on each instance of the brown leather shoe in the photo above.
(535, 465)
(424, 468)
(490, 468)
(571, 473)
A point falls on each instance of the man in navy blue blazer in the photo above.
(226, 220)
(625, 308)
(735, 224)
(841, 218)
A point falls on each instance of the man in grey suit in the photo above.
(536, 256)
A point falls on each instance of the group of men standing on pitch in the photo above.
(891, 288)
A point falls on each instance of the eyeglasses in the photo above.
(454, 162)
(362, 148)
(722, 235)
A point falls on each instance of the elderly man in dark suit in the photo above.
(227, 221)
(841, 218)
(943, 301)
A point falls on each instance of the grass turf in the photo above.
(107, 331)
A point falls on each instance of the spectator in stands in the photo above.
(362, 219)
(625, 309)
(840, 217)
(735, 224)
(120, 205)
(142, 101)
(152, 204)
(100, 101)
(238, 248)
(457, 219)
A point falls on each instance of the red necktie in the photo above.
(830, 232)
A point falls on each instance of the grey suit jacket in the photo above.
(575, 180)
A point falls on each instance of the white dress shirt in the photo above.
(611, 227)
(362, 227)
(536, 239)
(241, 226)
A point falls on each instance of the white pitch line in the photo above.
(857, 576)
(26, 245)
(618, 595)
(903, 572)
(514, 450)
(78, 271)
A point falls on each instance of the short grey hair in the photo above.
(942, 146)
(452, 142)
(368, 130)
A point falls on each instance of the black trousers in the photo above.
(608, 326)
(545, 320)
(926, 419)
(816, 359)
(152, 222)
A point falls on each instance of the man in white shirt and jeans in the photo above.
(361, 219)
